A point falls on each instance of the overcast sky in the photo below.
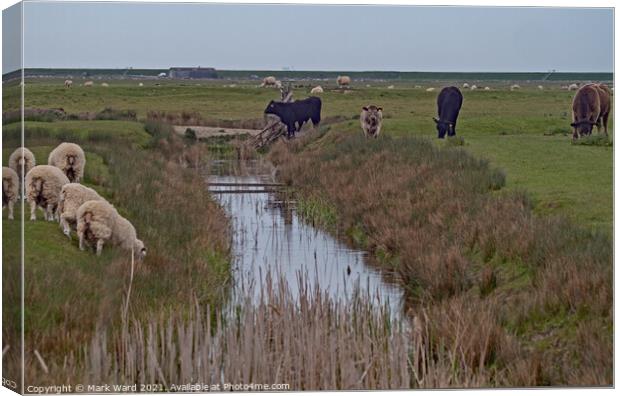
(302, 37)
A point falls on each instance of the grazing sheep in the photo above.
(278, 84)
(473, 87)
(573, 87)
(316, 90)
(22, 157)
(89, 84)
(10, 189)
(99, 222)
(269, 82)
(390, 87)
(371, 120)
(70, 159)
(540, 87)
(68, 83)
(431, 89)
(72, 196)
(343, 81)
(515, 87)
(105, 84)
(43, 185)
(465, 86)
(487, 88)
(418, 87)
(140, 85)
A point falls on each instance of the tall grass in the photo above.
(433, 215)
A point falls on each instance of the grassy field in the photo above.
(524, 132)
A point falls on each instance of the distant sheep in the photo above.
(316, 90)
(487, 88)
(70, 159)
(431, 89)
(72, 196)
(43, 186)
(371, 120)
(515, 87)
(269, 82)
(343, 81)
(89, 84)
(140, 84)
(473, 87)
(105, 85)
(390, 87)
(10, 189)
(68, 83)
(573, 87)
(465, 86)
(99, 222)
(22, 157)
(540, 87)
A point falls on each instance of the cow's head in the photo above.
(582, 128)
(444, 127)
(271, 108)
(373, 114)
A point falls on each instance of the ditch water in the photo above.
(270, 240)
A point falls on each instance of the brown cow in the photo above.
(591, 106)
(371, 119)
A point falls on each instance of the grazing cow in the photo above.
(343, 81)
(371, 119)
(317, 90)
(297, 112)
(68, 83)
(269, 82)
(591, 106)
(449, 104)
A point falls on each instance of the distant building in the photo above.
(192, 72)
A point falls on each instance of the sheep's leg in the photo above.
(64, 224)
(49, 212)
(11, 210)
(33, 210)
(81, 239)
(99, 246)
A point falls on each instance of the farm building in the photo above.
(192, 72)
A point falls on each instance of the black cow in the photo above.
(297, 112)
(449, 104)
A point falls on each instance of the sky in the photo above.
(306, 37)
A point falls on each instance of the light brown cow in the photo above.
(371, 120)
(591, 106)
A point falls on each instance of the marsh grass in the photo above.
(436, 216)
(593, 140)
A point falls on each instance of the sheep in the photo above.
(487, 88)
(89, 84)
(99, 222)
(465, 86)
(316, 90)
(269, 82)
(573, 87)
(473, 87)
(68, 83)
(343, 81)
(278, 84)
(390, 87)
(514, 87)
(43, 185)
(70, 159)
(22, 157)
(371, 120)
(72, 196)
(431, 89)
(104, 84)
(140, 85)
(10, 189)
(540, 87)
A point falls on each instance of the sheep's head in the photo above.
(139, 249)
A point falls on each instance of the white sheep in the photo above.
(343, 81)
(487, 88)
(68, 83)
(72, 196)
(317, 90)
(10, 189)
(515, 87)
(22, 157)
(431, 89)
(43, 185)
(465, 86)
(474, 87)
(99, 222)
(70, 159)
(540, 87)
(390, 87)
(573, 87)
(140, 85)
(104, 84)
(269, 81)
(89, 84)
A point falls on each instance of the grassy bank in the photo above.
(470, 253)
(70, 294)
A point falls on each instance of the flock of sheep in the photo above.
(56, 189)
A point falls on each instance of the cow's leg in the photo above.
(605, 118)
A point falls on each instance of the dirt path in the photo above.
(206, 131)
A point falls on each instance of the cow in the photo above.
(343, 81)
(297, 112)
(371, 120)
(269, 82)
(591, 106)
(449, 104)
